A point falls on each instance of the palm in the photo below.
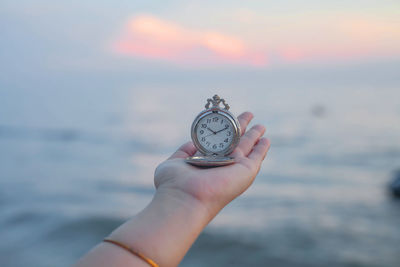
(220, 184)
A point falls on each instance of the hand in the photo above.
(187, 198)
(214, 187)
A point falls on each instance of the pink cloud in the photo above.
(147, 36)
(333, 38)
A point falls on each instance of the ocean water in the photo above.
(78, 151)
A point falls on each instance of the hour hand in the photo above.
(208, 128)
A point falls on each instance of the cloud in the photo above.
(148, 36)
(263, 40)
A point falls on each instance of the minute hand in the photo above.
(221, 130)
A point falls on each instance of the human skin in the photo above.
(186, 200)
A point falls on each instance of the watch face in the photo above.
(215, 133)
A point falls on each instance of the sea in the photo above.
(78, 149)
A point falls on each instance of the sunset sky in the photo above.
(260, 36)
(201, 33)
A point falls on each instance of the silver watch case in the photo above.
(210, 161)
(236, 134)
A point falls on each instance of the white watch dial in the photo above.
(215, 132)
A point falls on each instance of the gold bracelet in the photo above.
(138, 254)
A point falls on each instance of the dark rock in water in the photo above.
(318, 111)
(394, 186)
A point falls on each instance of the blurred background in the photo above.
(95, 94)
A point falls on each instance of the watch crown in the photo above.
(216, 100)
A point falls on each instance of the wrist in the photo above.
(185, 202)
(166, 228)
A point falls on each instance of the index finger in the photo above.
(244, 120)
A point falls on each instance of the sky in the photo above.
(258, 36)
(197, 34)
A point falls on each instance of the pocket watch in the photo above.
(215, 133)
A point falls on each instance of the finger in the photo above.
(244, 120)
(259, 151)
(186, 150)
(248, 140)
